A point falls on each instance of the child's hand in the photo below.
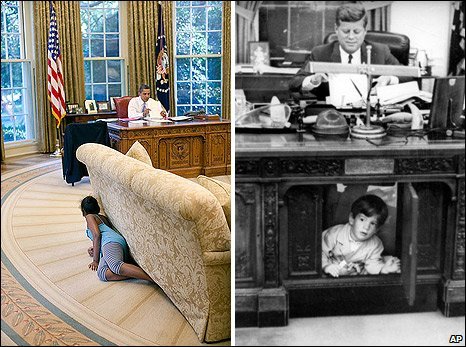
(333, 269)
(93, 266)
(392, 265)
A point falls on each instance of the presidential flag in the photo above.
(161, 54)
(56, 92)
(456, 64)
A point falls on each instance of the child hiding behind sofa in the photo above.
(109, 249)
(354, 248)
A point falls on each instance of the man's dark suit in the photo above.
(330, 53)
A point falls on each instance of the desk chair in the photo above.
(398, 43)
(77, 134)
(121, 105)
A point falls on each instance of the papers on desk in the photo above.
(136, 123)
(347, 90)
(180, 118)
(108, 120)
(158, 120)
(397, 93)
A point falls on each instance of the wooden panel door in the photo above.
(410, 216)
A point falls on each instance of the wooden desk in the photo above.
(185, 148)
(259, 89)
(282, 187)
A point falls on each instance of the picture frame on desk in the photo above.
(72, 108)
(259, 52)
(90, 106)
(102, 106)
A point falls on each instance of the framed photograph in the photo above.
(112, 102)
(72, 108)
(102, 106)
(259, 53)
(90, 106)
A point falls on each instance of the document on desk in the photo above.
(393, 94)
(347, 90)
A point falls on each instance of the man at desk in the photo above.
(350, 26)
(145, 106)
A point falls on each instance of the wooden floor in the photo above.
(43, 240)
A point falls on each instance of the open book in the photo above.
(398, 93)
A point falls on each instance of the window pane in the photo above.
(86, 50)
(199, 69)
(100, 92)
(182, 19)
(8, 128)
(3, 47)
(114, 90)
(87, 71)
(20, 131)
(181, 110)
(5, 76)
(184, 93)
(111, 4)
(215, 42)
(112, 45)
(199, 93)
(96, 21)
(14, 47)
(214, 92)
(199, 19)
(183, 43)
(7, 103)
(114, 71)
(214, 110)
(98, 72)
(12, 19)
(97, 45)
(215, 18)
(84, 21)
(182, 3)
(199, 44)
(17, 74)
(183, 69)
(88, 92)
(214, 66)
(111, 20)
(18, 101)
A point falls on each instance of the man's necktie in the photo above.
(144, 107)
(350, 57)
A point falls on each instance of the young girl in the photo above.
(109, 248)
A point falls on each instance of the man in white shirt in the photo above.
(144, 106)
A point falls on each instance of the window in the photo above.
(103, 66)
(198, 56)
(17, 107)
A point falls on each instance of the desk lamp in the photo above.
(367, 130)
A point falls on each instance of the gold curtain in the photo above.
(142, 38)
(69, 32)
(168, 15)
(226, 69)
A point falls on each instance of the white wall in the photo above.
(428, 26)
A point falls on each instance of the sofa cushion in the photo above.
(137, 151)
(121, 106)
(221, 190)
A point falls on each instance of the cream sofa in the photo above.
(176, 231)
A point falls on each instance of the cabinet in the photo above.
(284, 188)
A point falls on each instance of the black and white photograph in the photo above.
(348, 214)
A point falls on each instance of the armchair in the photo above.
(397, 43)
(121, 105)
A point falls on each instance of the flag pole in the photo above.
(58, 152)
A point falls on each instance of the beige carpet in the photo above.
(49, 296)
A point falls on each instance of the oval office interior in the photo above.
(296, 180)
(69, 70)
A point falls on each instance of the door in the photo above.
(410, 216)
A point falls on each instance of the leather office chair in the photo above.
(77, 134)
(121, 105)
(398, 43)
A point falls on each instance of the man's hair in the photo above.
(370, 205)
(142, 87)
(89, 205)
(352, 12)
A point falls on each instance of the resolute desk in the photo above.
(187, 148)
(281, 188)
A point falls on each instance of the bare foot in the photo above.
(90, 250)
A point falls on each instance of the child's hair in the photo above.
(89, 205)
(370, 205)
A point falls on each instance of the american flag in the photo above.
(56, 92)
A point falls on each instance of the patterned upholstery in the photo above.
(176, 231)
(121, 105)
(221, 191)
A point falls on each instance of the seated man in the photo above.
(350, 48)
(145, 106)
